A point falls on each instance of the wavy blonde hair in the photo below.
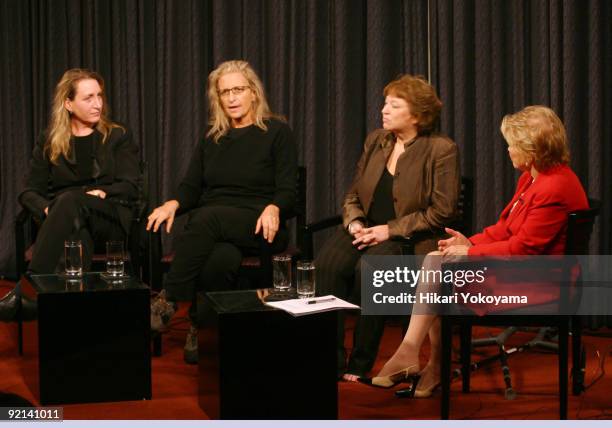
(218, 120)
(538, 133)
(59, 131)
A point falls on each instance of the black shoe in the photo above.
(9, 307)
(190, 352)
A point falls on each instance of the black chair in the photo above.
(26, 228)
(255, 271)
(579, 229)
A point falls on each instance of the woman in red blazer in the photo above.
(534, 222)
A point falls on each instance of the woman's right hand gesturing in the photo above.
(163, 213)
(457, 238)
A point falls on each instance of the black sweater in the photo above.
(114, 170)
(248, 167)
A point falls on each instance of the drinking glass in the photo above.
(281, 268)
(73, 252)
(305, 279)
(114, 258)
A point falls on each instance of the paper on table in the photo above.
(298, 307)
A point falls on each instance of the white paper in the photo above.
(298, 307)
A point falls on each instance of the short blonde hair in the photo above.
(422, 98)
(218, 121)
(539, 134)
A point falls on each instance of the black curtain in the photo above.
(491, 58)
(324, 65)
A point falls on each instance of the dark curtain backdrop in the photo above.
(494, 57)
(324, 65)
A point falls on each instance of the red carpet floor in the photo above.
(534, 376)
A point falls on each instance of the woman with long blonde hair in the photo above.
(84, 173)
(238, 188)
(82, 181)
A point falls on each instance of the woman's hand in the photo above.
(97, 192)
(268, 222)
(370, 236)
(456, 250)
(163, 213)
(457, 238)
(46, 210)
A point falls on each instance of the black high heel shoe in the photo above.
(409, 374)
(12, 306)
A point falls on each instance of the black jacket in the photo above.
(115, 171)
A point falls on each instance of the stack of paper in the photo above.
(298, 307)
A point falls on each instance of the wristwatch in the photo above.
(350, 226)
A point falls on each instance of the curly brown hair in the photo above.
(420, 96)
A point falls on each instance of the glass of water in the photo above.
(281, 269)
(114, 258)
(73, 253)
(305, 279)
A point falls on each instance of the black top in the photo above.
(84, 152)
(247, 167)
(114, 170)
(382, 209)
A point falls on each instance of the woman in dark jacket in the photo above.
(406, 184)
(83, 175)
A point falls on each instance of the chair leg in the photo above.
(563, 368)
(157, 345)
(445, 366)
(466, 354)
(20, 337)
(577, 357)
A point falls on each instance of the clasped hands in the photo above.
(368, 236)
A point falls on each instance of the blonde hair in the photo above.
(539, 134)
(422, 98)
(59, 131)
(218, 120)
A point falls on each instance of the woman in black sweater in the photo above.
(239, 186)
(83, 176)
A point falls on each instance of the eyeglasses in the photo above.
(236, 90)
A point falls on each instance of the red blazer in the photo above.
(536, 225)
(538, 222)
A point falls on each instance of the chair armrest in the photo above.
(308, 230)
(408, 243)
(324, 223)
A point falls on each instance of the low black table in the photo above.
(257, 362)
(91, 341)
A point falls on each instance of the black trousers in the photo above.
(74, 215)
(208, 252)
(339, 273)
